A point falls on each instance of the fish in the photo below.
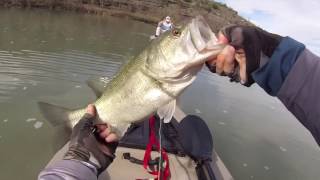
(150, 82)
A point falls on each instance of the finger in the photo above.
(228, 65)
(105, 133)
(91, 109)
(225, 60)
(112, 138)
(241, 59)
(101, 127)
(219, 63)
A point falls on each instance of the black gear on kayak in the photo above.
(191, 137)
(253, 41)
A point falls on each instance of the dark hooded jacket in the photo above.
(293, 75)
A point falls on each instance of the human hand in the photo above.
(242, 54)
(96, 148)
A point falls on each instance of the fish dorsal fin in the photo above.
(98, 85)
(166, 112)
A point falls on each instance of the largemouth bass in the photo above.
(151, 81)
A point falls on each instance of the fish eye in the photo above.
(176, 32)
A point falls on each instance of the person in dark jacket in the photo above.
(89, 153)
(282, 66)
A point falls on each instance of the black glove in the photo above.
(87, 146)
(253, 41)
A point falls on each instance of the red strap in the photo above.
(147, 155)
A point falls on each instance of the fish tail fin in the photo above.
(56, 115)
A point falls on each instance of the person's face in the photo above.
(168, 20)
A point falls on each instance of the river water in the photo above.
(48, 56)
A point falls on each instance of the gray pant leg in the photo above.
(67, 170)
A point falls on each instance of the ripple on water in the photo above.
(38, 125)
(69, 39)
(267, 168)
(32, 67)
(31, 119)
(197, 111)
(283, 149)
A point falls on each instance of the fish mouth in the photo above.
(201, 35)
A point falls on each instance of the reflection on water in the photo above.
(48, 56)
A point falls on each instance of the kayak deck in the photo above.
(181, 167)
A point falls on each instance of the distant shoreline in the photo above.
(149, 11)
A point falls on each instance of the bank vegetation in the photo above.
(150, 11)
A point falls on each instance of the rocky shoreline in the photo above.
(149, 11)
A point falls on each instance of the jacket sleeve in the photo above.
(68, 170)
(292, 74)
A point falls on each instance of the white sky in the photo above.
(299, 19)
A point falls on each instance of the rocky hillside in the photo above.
(150, 11)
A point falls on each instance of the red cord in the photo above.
(147, 155)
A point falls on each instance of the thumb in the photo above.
(91, 109)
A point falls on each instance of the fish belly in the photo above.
(130, 99)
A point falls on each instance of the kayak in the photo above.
(128, 163)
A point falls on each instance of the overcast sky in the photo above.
(299, 19)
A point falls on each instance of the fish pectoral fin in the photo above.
(166, 112)
(56, 115)
(98, 85)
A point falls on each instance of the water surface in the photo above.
(49, 56)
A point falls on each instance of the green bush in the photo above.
(210, 5)
(214, 5)
(224, 5)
